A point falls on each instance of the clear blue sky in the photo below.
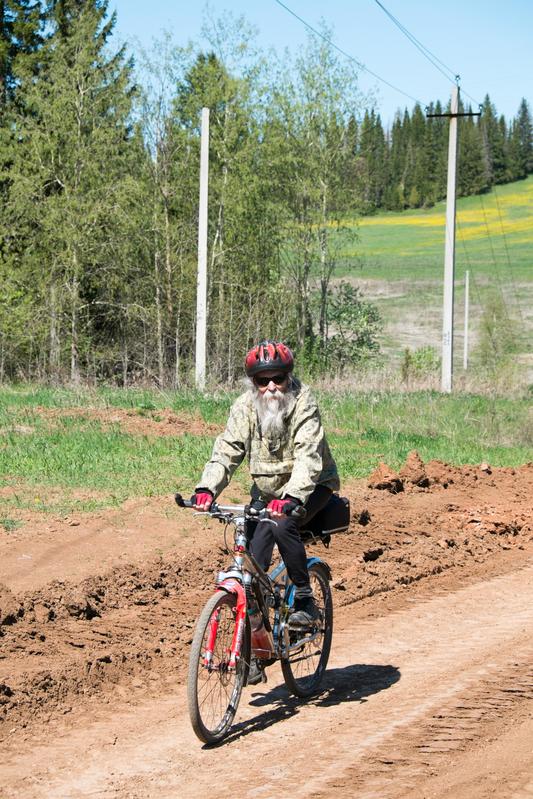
(489, 43)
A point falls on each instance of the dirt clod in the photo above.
(413, 471)
(385, 479)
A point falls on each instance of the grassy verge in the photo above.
(79, 464)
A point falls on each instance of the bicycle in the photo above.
(247, 617)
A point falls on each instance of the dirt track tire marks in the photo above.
(402, 695)
(455, 727)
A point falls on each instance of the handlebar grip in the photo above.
(294, 510)
(183, 503)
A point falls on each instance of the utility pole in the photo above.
(449, 245)
(449, 250)
(467, 309)
(201, 284)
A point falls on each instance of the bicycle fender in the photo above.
(320, 562)
(310, 562)
(232, 586)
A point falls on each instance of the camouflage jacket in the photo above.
(292, 463)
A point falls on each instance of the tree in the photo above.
(246, 209)
(349, 169)
(310, 112)
(20, 38)
(472, 176)
(493, 143)
(354, 325)
(521, 144)
(417, 178)
(373, 160)
(69, 158)
(394, 195)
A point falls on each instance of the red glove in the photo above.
(203, 500)
(278, 505)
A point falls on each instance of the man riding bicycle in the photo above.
(276, 425)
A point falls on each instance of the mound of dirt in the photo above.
(10, 607)
(416, 473)
(67, 641)
(383, 478)
(413, 471)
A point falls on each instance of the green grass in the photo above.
(494, 239)
(78, 465)
(398, 261)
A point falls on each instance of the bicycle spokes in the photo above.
(215, 684)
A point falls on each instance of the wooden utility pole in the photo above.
(449, 245)
(467, 308)
(449, 250)
(201, 285)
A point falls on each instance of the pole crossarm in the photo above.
(461, 114)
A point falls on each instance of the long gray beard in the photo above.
(271, 411)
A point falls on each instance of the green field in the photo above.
(397, 259)
(494, 231)
(75, 463)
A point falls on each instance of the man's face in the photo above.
(270, 382)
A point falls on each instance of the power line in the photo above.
(509, 261)
(474, 283)
(431, 57)
(494, 260)
(347, 55)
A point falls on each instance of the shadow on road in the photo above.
(349, 684)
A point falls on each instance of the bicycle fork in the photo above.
(231, 586)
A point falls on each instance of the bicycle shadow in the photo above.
(353, 683)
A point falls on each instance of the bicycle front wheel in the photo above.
(305, 666)
(213, 689)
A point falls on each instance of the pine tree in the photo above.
(472, 175)
(373, 155)
(394, 195)
(20, 38)
(68, 163)
(521, 143)
(493, 143)
(418, 177)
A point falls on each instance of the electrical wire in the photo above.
(474, 283)
(431, 57)
(508, 257)
(347, 55)
(496, 265)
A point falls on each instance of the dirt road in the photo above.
(428, 690)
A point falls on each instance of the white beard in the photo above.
(271, 410)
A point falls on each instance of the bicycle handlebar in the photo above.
(296, 511)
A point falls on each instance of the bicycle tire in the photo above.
(304, 668)
(213, 693)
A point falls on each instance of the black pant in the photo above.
(286, 535)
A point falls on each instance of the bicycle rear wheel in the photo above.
(213, 690)
(305, 666)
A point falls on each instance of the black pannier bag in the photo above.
(333, 518)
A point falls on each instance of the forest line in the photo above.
(99, 162)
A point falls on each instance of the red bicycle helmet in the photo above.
(268, 355)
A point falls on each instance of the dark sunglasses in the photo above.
(264, 381)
